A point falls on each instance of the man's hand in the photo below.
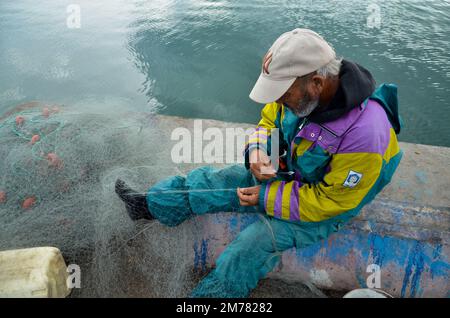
(260, 165)
(248, 196)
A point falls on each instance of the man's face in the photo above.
(302, 97)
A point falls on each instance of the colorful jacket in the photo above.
(339, 166)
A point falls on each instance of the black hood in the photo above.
(355, 85)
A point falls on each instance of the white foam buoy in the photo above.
(33, 272)
(367, 293)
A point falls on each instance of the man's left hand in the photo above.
(248, 196)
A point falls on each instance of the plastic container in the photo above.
(33, 272)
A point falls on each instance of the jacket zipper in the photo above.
(331, 132)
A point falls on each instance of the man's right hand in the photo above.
(260, 165)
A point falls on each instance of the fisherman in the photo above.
(337, 132)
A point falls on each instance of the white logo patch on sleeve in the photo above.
(352, 179)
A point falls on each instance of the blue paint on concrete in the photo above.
(409, 257)
(440, 268)
(419, 264)
(309, 252)
(416, 262)
(406, 277)
(384, 250)
(201, 254)
(204, 254)
(340, 247)
(437, 251)
(421, 176)
(362, 281)
(379, 250)
(377, 247)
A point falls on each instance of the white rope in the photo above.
(193, 190)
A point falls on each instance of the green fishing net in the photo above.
(59, 191)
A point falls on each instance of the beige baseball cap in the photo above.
(294, 54)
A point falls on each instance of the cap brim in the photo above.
(268, 91)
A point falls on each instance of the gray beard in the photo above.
(306, 109)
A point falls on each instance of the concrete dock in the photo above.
(401, 240)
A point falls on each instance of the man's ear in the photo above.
(318, 83)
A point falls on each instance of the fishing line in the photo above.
(164, 191)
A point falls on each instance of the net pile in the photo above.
(58, 190)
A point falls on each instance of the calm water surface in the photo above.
(201, 58)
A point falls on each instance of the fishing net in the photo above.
(57, 189)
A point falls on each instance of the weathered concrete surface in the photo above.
(405, 231)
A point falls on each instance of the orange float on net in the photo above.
(35, 139)
(20, 120)
(2, 196)
(54, 160)
(28, 202)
